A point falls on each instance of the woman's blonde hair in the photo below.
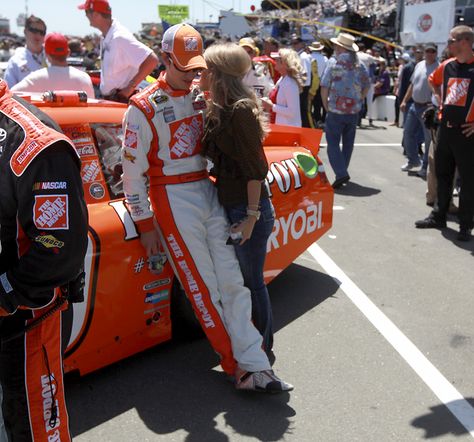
(291, 60)
(228, 63)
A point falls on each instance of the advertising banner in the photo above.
(428, 22)
(173, 14)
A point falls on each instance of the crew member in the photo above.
(163, 128)
(453, 85)
(43, 220)
(125, 62)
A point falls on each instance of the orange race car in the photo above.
(128, 309)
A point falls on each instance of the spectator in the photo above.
(125, 62)
(453, 85)
(319, 113)
(240, 168)
(382, 80)
(163, 129)
(298, 44)
(284, 99)
(258, 77)
(58, 76)
(29, 58)
(420, 91)
(343, 88)
(402, 61)
(370, 63)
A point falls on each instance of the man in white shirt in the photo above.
(58, 76)
(29, 58)
(298, 44)
(125, 62)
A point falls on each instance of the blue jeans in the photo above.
(412, 128)
(340, 126)
(251, 256)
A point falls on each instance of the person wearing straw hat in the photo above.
(344, 85)
(318, 112)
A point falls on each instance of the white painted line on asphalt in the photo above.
(430, 375)
(370, 144)
(337, 208)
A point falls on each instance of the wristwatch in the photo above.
(255, 213)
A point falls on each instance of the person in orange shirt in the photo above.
(453, 84)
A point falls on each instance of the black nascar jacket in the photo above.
(43, 216)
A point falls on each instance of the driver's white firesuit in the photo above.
(162, 140)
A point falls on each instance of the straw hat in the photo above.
(316, 46)
(347, 41)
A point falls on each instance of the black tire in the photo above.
(185, 325)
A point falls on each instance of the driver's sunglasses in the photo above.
(37, 31)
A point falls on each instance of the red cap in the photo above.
(56, 44)
(101, 6)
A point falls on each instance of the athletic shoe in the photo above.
(340, 181)
(264, 381)
(421, 173)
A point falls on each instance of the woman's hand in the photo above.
(266, 104)
(246, 227)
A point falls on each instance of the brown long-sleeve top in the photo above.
(237, 153)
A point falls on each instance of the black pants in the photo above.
(304, 107)
(31, 375)
(455, 150)
(319, 113)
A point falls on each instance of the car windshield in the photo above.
(109, 141)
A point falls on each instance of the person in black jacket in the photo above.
(43, 222)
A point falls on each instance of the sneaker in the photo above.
(430, 223)
(421, 173)
(464, 234)
(407, 167)
(264, 381)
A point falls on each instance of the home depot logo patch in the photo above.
(186, 137)
(131, 139)
(457, 89)
(50, 212)
(90, 170)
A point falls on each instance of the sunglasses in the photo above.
(453, 40)
(37, 31)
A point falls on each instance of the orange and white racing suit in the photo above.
(162, 140)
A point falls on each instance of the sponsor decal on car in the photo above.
(50, 185)
(49, 241)
(139, 264)
(50, 212)
(155, 284)
(154, 298)
(86, 150)
(97, 191)
(90, 170)
(285, 174)
(295, 225)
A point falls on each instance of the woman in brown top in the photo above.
(234, 132)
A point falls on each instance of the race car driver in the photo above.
(163, 128)
(43, 222)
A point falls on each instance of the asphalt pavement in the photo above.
(374, 327)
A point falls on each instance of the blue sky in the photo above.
(63, 15)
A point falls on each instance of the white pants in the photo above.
(195, 229)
